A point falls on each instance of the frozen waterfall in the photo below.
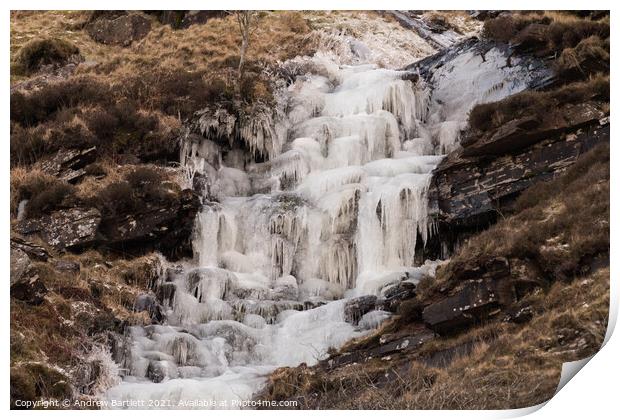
(335, 213)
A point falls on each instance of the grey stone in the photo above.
(20, 262)
(121, 30)
(65, 229)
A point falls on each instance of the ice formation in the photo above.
(335, 212)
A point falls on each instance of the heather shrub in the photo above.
(41, 105)
(49, 199)
(44, 192)
(39, 52)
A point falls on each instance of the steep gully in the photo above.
(287, 250)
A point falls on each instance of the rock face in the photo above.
(121, 30)
(166, 227)
(73, 228)
(477, 299)
(472, 186)
(69, 165)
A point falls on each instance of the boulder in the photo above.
(73, 228)
(69, 165)
(119, 30)
(20, 262)
(31, 290)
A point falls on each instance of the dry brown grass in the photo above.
(590, 55)
(208, 47)
(563, 29)
(490, 116)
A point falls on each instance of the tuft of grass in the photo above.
(589, 56)
(44, 192)
(40, 52)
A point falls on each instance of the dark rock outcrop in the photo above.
(476, 184)
(538, 70)
(29, 289)
(165, 226)
(119, 30)
(355, 308)
(478, 299)
(388, 346)
(69, 165)
(480, 291)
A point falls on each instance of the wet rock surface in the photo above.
(357, 307)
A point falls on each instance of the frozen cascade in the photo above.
(334, 213)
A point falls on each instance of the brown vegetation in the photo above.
(40, 52)
(489, 116)
(560, 30)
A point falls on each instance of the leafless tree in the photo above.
(247, 20)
